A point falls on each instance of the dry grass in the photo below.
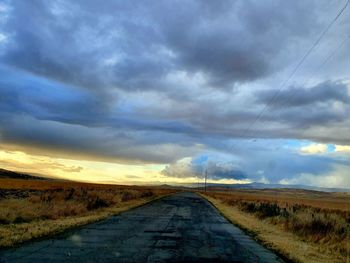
(302, 222)
(34, 209)
(323, 200)
(56, 204)
(30, 185)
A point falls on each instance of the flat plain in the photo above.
(31, 209)
(182, 227)
(299, 225)
(303, 225)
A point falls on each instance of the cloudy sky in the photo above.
(160, 91)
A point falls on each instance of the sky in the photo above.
(162, 91)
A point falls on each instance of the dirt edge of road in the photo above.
(248, 231)
(286, 245)
(61, 226)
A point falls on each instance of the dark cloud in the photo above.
(325, 92)
(325, 104)
(234, 42)
(218, 171)
(161, 81)
(197, 167)
(137, 47)
(25, 94)
(83, 46)
(76, 141)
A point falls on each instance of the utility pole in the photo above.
(205, 182)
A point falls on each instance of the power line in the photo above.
(320, 67)
(324, 62)
(296, 68)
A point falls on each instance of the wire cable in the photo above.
(324, 62)
(296, 68)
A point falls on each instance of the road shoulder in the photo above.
(288, 246)
(28, 232)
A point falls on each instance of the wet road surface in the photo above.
(180, 228)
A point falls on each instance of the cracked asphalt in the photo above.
(179, 228)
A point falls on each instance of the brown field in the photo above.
(305, 226)
(325, 200)
(33, 208)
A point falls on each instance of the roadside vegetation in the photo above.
(32, 209)
(305, 226)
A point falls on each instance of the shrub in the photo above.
(146, 194)
(126, 196)
(262, 210)
(57, 203)
(95, 203)
(311, 223)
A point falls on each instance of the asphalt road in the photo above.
(179, 228)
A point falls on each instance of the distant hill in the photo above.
(267, 186)
(298, 186)
(17, 175)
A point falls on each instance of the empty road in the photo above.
(180, 228)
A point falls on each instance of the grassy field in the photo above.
(305, 226)
(36, 208)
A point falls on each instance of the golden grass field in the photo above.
(304, 226)
(36, 208)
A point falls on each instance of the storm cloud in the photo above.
(169, 82)
(202, 166)
(123, 46)
(325, 92)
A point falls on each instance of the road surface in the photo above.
(180, 228)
